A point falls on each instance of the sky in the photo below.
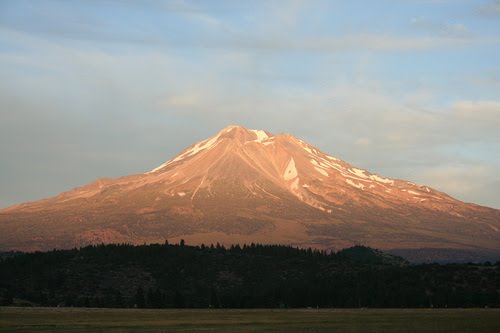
(403, 88)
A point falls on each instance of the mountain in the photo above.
(244, 186)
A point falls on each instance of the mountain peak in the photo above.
(230, 133)
(243, 134)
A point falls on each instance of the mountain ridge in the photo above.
(245, 185)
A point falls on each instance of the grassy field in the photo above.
(346, 320)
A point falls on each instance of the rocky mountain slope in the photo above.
(243, 186)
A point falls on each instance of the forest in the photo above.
(248, 276)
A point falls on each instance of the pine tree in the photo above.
(178, 300)
(213, 298)
(139, 298)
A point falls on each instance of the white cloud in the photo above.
(491, 9)
(453, 30)
(466, 182)
(487, 111)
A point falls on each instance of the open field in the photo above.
(264, 320)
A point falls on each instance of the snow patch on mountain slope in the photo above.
(320, 164)
(203, 145)
(290, 171)
(158, 167)
(381, 179)
(261, 135)
(356, 178)
(335, 166)
(308, 150)
(354, 173)
(425, 188)
(361, 174)
(350, 182)
(208, 144)
(358, 172)
(321, 171)
(324, 209)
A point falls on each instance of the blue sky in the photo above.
(408, 89)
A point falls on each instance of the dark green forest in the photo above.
(251, 276)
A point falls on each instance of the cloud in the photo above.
(454, 30)
(466, 182)
(337, 44)
(488, 81)
(486, 111)
(377, 117)
(491, 9)
(272, 31)
(475, 121)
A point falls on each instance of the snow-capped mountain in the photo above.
(243, 186)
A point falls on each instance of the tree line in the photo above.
(248, 276)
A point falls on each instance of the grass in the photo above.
(264, 320)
